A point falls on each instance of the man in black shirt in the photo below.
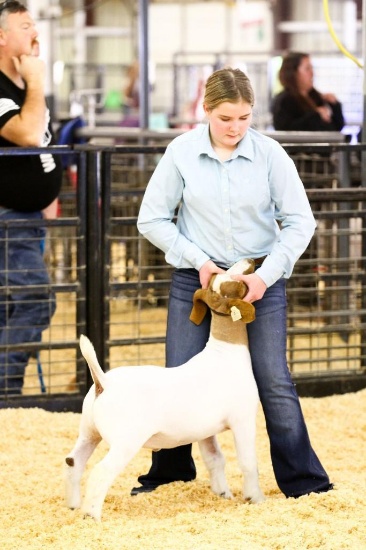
(29, 188)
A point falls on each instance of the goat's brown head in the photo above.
(224, 294)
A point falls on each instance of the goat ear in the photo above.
(213, 277)
(251, 267)
(246, 309)
(199, 308)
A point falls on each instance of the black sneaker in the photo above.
(329, 487)
(142, 489)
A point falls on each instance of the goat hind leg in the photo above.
(76, 460)
(102, 476)
(215, 464)
(75, 465)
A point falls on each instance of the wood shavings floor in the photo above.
(183, 516)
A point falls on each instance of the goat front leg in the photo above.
(215, 464)
(244, 437)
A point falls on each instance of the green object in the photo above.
(113, 100)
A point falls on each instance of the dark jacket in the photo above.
(290, 114)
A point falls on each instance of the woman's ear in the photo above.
(206, 109)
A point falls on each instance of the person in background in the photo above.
(131, 92)
(300, 106)
(29, 188)
(239, 196)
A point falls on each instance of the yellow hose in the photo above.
(335, 37)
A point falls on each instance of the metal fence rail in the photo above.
(112, 285)
(56, 366)
(326, 329)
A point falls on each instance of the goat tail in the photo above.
(88, 351)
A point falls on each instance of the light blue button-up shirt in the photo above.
(252, 205)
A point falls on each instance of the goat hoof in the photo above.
(89, 517)
(226, 494)
(255, 500)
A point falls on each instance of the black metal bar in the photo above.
(81, 252)
(94, 285)
(106, 193)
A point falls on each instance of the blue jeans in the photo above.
(296, 467)
(24, 312)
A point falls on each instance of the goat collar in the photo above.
(207, 298)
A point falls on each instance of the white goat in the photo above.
(154, 407)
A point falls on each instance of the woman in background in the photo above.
(300, 106)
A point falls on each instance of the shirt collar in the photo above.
(205, 147)
(244, 147)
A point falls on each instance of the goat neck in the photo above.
(223, 328)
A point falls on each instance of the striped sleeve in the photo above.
(7, 106)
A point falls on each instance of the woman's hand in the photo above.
(256, 286)
(207, 271)
(325, 113)
(329, 98)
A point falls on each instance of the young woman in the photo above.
(300, 106)
(239, 196)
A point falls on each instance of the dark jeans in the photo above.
(297, 469)
(24, 314)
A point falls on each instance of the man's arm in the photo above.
(27, 128)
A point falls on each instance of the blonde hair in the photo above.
(228, 85)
